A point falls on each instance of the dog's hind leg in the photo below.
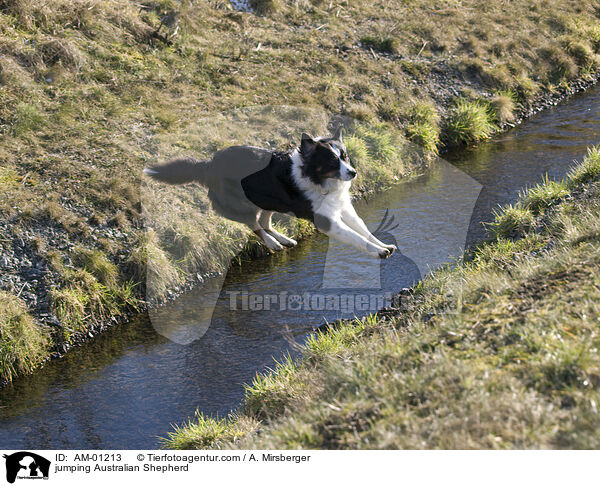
(254, 224)
(265, 222)
(248, 215)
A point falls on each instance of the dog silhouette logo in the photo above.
(26, 465)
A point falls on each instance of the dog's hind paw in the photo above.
(274, 245)
(270, 242)
(284, 240)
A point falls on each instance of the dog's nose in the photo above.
(352, 173)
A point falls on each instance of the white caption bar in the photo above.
(263, 468)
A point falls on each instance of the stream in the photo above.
(125, 388)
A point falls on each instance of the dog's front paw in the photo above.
(385, 253)
(391, 248)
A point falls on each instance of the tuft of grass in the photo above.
(358, 151)
(496, 76)
(149, 263)
(544, 194)
(469, 122)
(380, 140)
(526, 87)
(70, 304)
(360, 112)
(28, 118)
(380, 155)
(97, 263)
(504, 105)
(203, 432)
(423, 126)
(586, 171)
(581, 52)
(69, 220)
(512, 221)
(424, 134)
(23, 344)
(270, 391)
(561, 65)
(337, 339)
(90, 293)
(379, 43)
(265, 7)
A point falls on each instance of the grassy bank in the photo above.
(499, 352)
(92, 91)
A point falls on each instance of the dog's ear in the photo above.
(338, 134)
(307, 143)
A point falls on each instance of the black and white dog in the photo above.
(248, 184)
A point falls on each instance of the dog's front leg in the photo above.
(339, 230)
(354, 221)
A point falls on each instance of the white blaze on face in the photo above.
(347, 173)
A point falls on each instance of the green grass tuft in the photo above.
(588, 170)
(203, 432)
(512, 221)
(90, 293)
(469, 122)
(23, 344)
(270, 391)
(96, 262)
(547, 192)
(423, 127)
(28, 118)
(379, 43)
(380, 156)
(425, 135)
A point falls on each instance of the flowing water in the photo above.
(125, 388)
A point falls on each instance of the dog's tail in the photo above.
(180, 171)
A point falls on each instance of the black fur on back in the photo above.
(274, 188)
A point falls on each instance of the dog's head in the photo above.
(325, 158)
